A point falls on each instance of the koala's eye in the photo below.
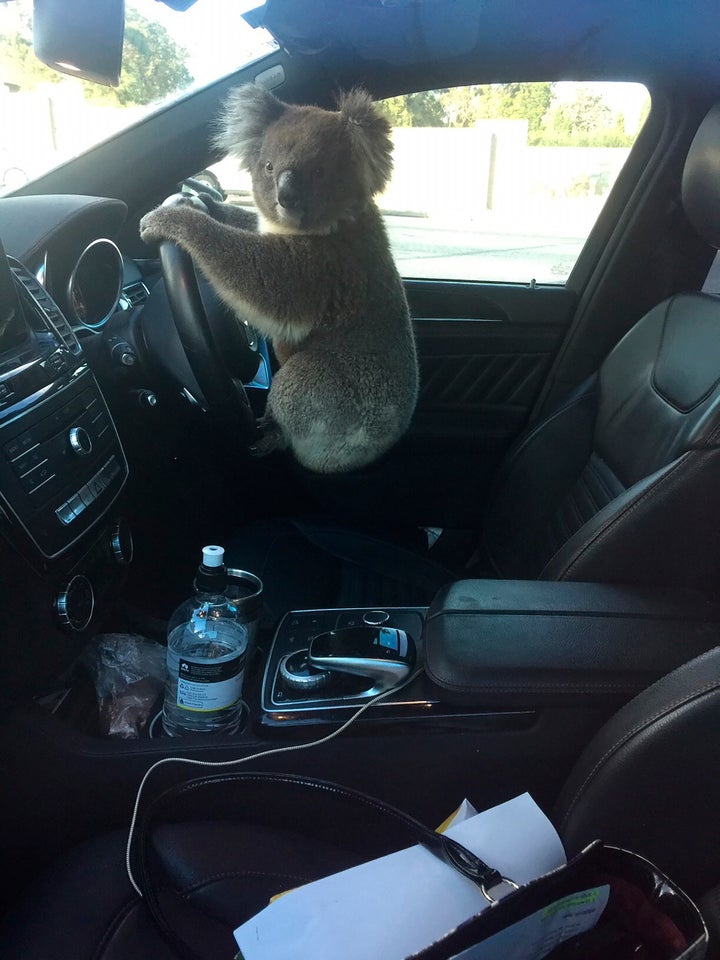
(269, 167)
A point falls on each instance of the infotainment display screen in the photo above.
(13, 329)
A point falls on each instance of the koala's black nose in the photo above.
(288, 190)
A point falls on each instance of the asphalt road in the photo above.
(424, 248)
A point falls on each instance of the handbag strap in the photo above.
(217, 797)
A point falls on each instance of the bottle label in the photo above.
(205, 686)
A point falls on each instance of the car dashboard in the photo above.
(63, 468)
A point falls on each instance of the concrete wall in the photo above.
(439, 172)
(490, 168)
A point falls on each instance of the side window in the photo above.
(503, 182)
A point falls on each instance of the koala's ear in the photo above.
(247, 113)
(370, 135)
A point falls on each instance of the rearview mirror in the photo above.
(83, 38)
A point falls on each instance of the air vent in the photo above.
(135, 293)
(47, 305)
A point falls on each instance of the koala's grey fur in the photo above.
(314, 274)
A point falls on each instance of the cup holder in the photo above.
(154, 729)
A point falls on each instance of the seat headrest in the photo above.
(701, 179)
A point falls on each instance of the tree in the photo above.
(153, 64)
(521, 101)
(587, 113)
(584, 121)
(414, 110)
(18, 64)
(464, 106)
(461, 105)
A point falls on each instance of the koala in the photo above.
(313, 273)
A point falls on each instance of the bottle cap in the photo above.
(212, 576)
(213, 556)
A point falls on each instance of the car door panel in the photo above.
(484, 352)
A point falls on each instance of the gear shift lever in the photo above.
(385, 655)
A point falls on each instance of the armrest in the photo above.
(524, 644)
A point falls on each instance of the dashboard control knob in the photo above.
(145, 398)
(75, 603)
(298, 674)
(80, 442)
(375, 618)
(123, 354)
(121, 542)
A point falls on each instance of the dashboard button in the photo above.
(26, 461)
(86, 495)
(65, 513)
(19, 445)
(37, 476)
(76, 504)
(47, 489)
(96, 485)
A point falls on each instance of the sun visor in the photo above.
(397, 32)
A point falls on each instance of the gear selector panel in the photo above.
(335, 658)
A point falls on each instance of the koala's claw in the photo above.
(165, 223)
(270, 439)
(154, 225)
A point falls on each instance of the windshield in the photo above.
(48, 117)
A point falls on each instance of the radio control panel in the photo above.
(61, 464)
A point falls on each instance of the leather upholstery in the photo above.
(521, 644)
(625, 493)
(648, 781)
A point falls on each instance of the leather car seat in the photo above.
(648, 781)
(618, 484)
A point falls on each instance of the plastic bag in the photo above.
(129, 675)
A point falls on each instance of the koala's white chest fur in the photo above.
(272, 327)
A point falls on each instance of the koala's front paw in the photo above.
(166, 223)
(271, 438)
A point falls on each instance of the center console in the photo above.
(509, 682)
(487, 648)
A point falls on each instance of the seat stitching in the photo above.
(530, 437)
(587, 489)
(601, 479)
(641, 725)
(613, 521)
(574, 505)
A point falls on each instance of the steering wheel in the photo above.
(224, 394)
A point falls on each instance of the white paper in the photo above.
(394, 906)
(535, 936)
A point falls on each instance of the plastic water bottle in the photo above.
(206, 654)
